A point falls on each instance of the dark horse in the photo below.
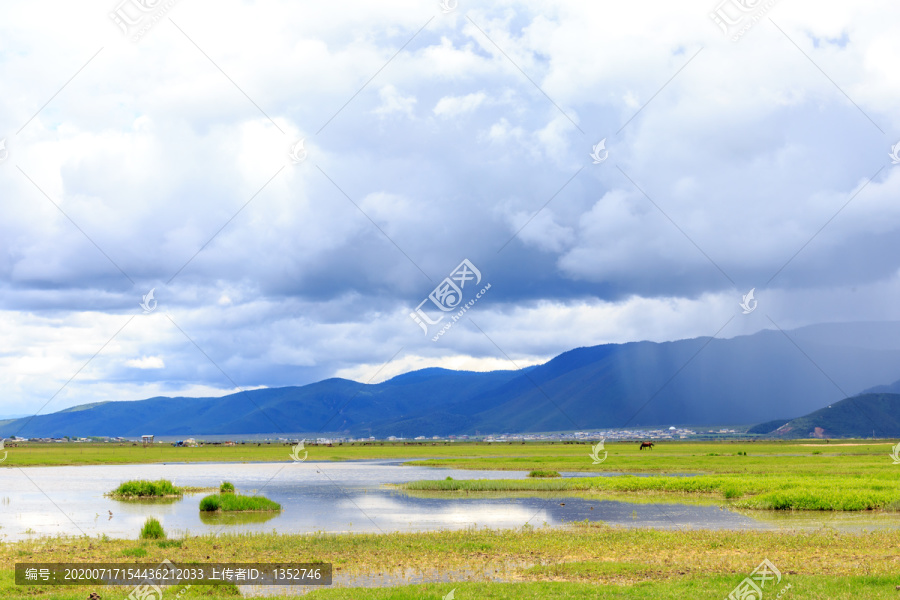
(646, 445)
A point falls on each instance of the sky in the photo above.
(361, 189)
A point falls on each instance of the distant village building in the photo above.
(147, 439)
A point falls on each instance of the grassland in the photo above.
(584, 561)
(57, 454)
(666, 457)
(799, 588)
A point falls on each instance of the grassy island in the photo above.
(231, 502)
(142, 489)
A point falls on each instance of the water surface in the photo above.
(333, 497)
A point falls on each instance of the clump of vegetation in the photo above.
(211, 503)
(135, 552)
(539, 473)
(236, 503)
(226, 488)
(162, 488)
(731, 491)
(741, 453)
(152, 530)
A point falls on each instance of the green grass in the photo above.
(764, 458)
(540, 473)
(238, 503)
(667, 552)
(801, 588)
(71, 453)
(152, 530)
(226, 488)
(142, 488)
(667, 456)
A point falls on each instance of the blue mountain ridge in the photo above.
(741, 380)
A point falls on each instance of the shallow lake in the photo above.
(335, 497)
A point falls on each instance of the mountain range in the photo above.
(702, 381)
(877, 415)
(875, 412)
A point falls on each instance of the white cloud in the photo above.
(375, 373)
(288, 273)
(452, 106)
(392, 101)
(146, 362)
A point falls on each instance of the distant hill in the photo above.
(856, 417)
(329, 405)
(698, 381)
(892, 388)
(767, 427)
